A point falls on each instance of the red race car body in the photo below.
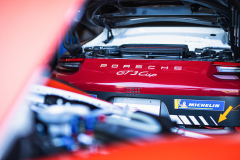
(183, 61)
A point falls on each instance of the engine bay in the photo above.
(157, 51)
(64, 121)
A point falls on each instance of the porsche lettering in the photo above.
(140, 67)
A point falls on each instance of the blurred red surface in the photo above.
(30, 32)
(167, 148)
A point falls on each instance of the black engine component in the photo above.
(225, 55)
(121, 133)
(154, 50)
(72, 43)
(211, 53)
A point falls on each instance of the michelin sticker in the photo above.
(199, 105)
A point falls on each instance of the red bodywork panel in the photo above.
(59, 85)
(169, 148)
(160, 77)
(30, 33)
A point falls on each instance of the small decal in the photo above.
(234, 109)
(223, 116)
(93, 95)
(199, 105)
(196, 120)
(213, 121)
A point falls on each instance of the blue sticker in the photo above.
(199, 105)
(93, 95)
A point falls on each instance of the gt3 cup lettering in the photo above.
(136, 73)
(120, 73)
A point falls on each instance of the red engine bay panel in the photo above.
(160, 77)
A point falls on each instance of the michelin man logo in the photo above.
(183, 105)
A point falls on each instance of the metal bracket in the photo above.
(234, 26)
(72, 42)
(108, 37)
(223, 22)
(107, 26)
(109, 32)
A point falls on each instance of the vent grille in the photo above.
(152, 3)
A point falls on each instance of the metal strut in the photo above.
(107, 26)
(223, 22)
(234, 26)
(109, 32)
